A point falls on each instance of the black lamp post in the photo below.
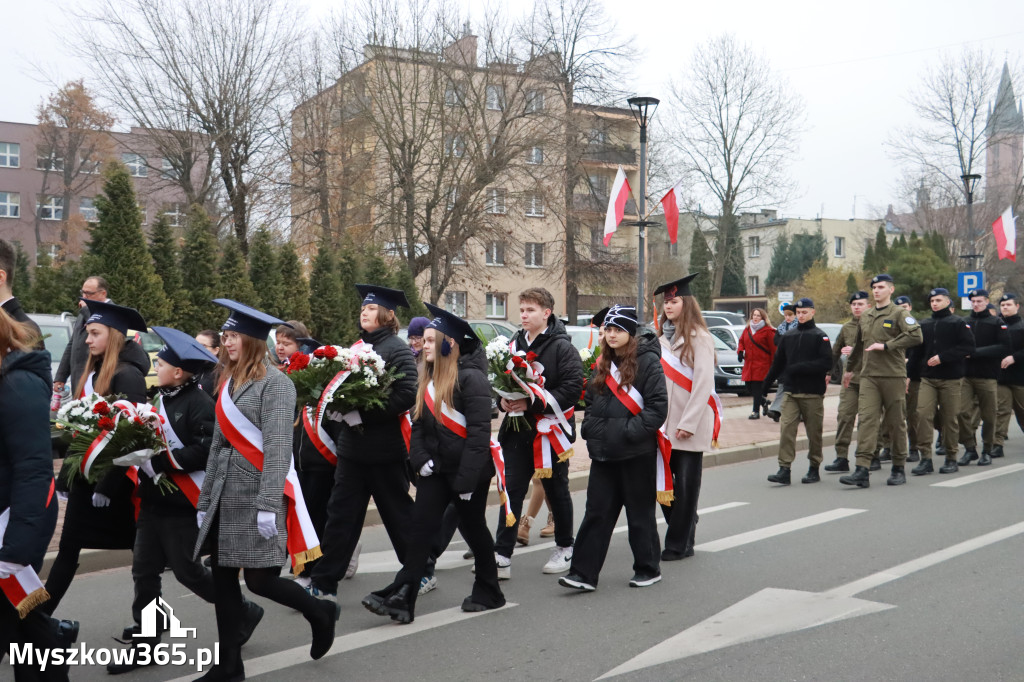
(643, 110)
(970, 182)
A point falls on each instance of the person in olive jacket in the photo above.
(1011, 377)
(626, 405)
(451, 438)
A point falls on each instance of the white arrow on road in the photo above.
(773, 611)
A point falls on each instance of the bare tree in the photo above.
(735, 127)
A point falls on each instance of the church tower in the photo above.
(1004, 154)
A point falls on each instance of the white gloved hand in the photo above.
(147, 468)
(465, 496)
(333, 415)
(200, 515)
(427, 468)
(7, 569)
(266, 523)
(100, 500)
(352, 418)
(135, 458)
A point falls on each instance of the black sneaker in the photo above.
(644, 580)
(576, 582)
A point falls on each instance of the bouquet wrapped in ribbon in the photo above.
(339, 378)
(588, 356)
(514, 376)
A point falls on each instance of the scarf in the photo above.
(669, 330)
(756, 326)
(171, 391)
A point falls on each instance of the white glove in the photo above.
(333, 415)
(7, 569)
(266, 523)
(427, 468)
(352, 418)
(200, 515)
(134, 458)
(147, 468)
(465, 496)
(100, 500)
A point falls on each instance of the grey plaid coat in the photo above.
(234, 490)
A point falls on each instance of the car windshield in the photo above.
(55, 339)
(724, 336)
(151, 343)
(719, 344)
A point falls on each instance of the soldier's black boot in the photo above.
(986, 458)
(781, 476)
(949, 467)
(885, 455)
(925, 467)
(940, 451)
(860, 478)
(840, 464)
(897, 476)
(914, 455)
(997, 451)
(812, 475)
(876, 464)
(970, 454)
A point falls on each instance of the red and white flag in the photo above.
(670, 204)
(1006, 235)
(616, 205)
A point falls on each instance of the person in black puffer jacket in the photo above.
(372, 453)
(451, 437)
(627, 403)
(1011, 377)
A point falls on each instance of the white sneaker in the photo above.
(427, 584)
(560, 560)
(504, 567)
(353, 563)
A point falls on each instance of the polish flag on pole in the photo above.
(616, 205)
(1006, 235)
(670, 204)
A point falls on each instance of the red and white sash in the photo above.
(552, 429)
(118, 410)
(455, 421)
(23, 589)
(302, 542)
(682, 376)
(87, 386)
(190, 483)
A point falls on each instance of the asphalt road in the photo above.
(807, 582)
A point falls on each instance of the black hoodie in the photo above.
(948, 336)
(1014, 374)
(992, 344)
(802, 361)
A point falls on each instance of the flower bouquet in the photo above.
(588, 356)
(513, 376)
(339, 378)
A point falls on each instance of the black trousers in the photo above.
(518, 451)
(682, 517)
(756, 389)
(628, 483)
(36, 629)
(449, 524)
(434, 495)
(162, 541)
(354, 484)
(317, 484)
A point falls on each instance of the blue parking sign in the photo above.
(970, 280)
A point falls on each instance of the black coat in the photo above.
(1014, 374)
(948, 336)
(307, 457)
(611, 431)
(207, 380)
(991, 345)
(76, 354)
(13, 308)
(802, 361)
(26, 467)
(463, 461)
(379, 440)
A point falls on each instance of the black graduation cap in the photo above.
(181, 350)
(115, 316)
(246, 320)
(623, 317)
(680, 287)
(454, 326)
(598, 319)
(389, 298)
(307, 344)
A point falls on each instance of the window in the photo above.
(10, 204)
(754, 247)
(496, 200)
(10, 155)
(454, 94)
(136, 165)
(88, 209)
(534, 101)
(51, 208)
(535, 156)
(598, 185)
(534, 255)
(167, 170)
(753, 286)
(496, 97)
(673, 249)
(49, 162)
(89, 166)
(535, 205)
(840, 247)
(453, 196)
(494, 305)
(175, 214)
(455, 145)
(459, 257)
(495, 253)
(455, 302)
(598, 136)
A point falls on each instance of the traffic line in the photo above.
(778, 529)
(358, 640)
(982, 476)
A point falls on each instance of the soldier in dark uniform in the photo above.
(1010, 396)
(992, 344)
(846, 372)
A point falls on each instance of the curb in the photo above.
(102, 559)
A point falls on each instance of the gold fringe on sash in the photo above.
(32, 600)
(503, 497)
(542, 473)
(510, 519)
(714, 443)
(666, 497)
(302, 558)
(566, 455)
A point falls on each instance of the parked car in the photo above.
(56, 331)
(151, 343)
(721, 318)
(728, 333)
(488, 329)
(582, 337)
(728, 369)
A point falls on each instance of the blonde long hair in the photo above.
(108, 362)
(248, 367)
(690, 321)
(444, 370)
(14, 335)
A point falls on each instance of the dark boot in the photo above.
(781, 476)
(949, 467)
(885, 455)
(986, 458)
(997, 451)
(970, 454)
(925, 467)
(897, 476)
(398, 605)
(876, 464)
(812, 475)
(840, 464)
(940, 451)
(914, 455)
(860, 478)
(251, 617)
(323, 626)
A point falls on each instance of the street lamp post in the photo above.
(970, 181)
(643, 110)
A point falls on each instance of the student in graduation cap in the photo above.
(242, 506)
(451, 450)
(166, 529)
(372, 449)
(101, 516)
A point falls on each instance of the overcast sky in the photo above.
(854, 63)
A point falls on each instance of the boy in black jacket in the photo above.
(166, 527)
(802, 362)
(1011, 377)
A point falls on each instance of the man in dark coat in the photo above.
(76, 353)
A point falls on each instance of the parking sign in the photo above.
(970, 280)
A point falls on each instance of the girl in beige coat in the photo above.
(690, 422)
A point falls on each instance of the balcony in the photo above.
(612, 155)
(598, 203)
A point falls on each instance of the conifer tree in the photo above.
(851, 284)
(329, 322)
(403, 280)
(780, 270)
(21, 281)
(199, 271)
(163, 248)
(882, 252)
(375, 270)
(870, 264)
(265, 273)
(700, 256)
(55, 289)
(234, 275)
(294, 287)
(349, 274)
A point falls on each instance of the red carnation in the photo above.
(319, 352)
(298, 361)
(101, 408)
(106, 424)
(139, 422)
(531, 357)
(330, 352)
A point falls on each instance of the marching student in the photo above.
(626, 406)
(690, 425)
(207, 378)
(1011, 378)
(992, 344)
(372, 450)
(846, 373)
(241, 508)
(451, 450)
(101, 515)
(166, 531)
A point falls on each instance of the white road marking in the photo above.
(981, 476)
(778, 529)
